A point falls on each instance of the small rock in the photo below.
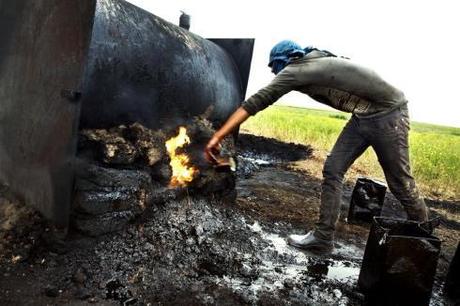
(79, 277)
(51, 291)
(200, 240)
(199, 230)
(130, 301)
(86, 267)
(246, 271)
(149, 247)
(16, 258)
(82, 293)
(337, 293)
(92, 300)
(289, 283)
(190, 241)
(132, 231)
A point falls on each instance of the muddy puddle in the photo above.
(284, 267)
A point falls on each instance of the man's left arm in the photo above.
(283, 83)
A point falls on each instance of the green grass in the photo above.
(435, 150)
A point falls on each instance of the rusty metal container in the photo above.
(67, 65)
(399, 263)
(366, 200)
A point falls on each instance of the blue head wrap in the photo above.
(282, 52)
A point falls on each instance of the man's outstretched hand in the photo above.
(213, 147)
(213, 144)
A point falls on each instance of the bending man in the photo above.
(380, 120)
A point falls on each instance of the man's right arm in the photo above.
(281, 84)
(238, 117)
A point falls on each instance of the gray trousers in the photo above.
(388, 136)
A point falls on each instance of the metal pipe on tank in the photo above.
(184, 21)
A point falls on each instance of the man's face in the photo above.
(277, 66)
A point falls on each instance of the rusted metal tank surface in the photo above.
(73, 64)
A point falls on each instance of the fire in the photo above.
(183, 173)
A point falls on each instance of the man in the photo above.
(380, 120)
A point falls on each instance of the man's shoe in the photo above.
(310, 243)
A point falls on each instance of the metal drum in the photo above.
(399, 263)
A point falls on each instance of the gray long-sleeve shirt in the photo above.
(334, 81)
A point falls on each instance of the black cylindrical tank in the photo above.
(73, 64)
(143, 69)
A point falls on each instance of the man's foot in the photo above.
(310, 243)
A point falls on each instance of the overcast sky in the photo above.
(414, 45)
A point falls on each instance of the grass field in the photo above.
(435, 150)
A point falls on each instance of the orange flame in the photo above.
(182, 172)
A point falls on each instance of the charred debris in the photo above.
(125, 170)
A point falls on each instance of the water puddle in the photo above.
(348, 251)
(286, 267)
(258, 160)
(343, 271)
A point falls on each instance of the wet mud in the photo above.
(199, 250)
